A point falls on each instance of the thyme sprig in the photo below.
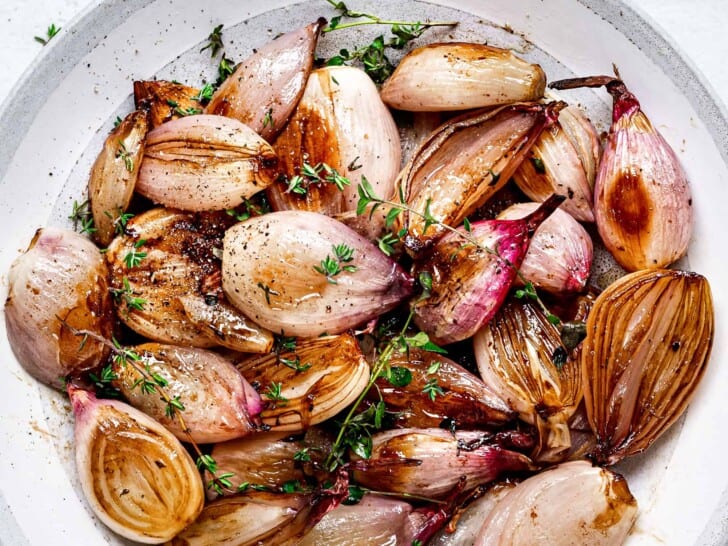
(369, 201)
(51, 32)
(321, 173)
(403, 28)
(331, 266)
(150, 382)
(126, 295)
(81, 215)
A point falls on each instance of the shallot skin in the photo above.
(61, 280)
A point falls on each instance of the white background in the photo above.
(698, 27)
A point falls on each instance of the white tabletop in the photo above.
(697, 27)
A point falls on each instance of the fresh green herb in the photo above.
(416, 542)
(175, 404)
(126, 295)
(268, 118)
(273, 393)
(538, 165)
(133, 258)
(249, 208)
(432, 389)
(434, 368)
(528, 292)
(268, 291)
(117, 122)
(311, 174)
(303, 455)
(399, 376)
(205, 93)
(125, 156)
(120, 221)
(494, 177)
(103, 382)
(298, 185)
(284, 343)
(243, 487)
(292, 486)
(331, 266)
(214, 41)
(376, 63)
(388, 241)
(294, 363)
(224, 69)
(50, 33)
(425, 280)
(467, 226)
(176, 109)
(356, 494)
(81, 215)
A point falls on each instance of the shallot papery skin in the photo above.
(265, 88)
(560, 255)
(460, 76)
(62, 277)
(219, 403)
(430, 462)
(642, 200)
(136, 476)
(205, 162)
(574, 503)
(469, 283)
(268, 273)
(341, 122)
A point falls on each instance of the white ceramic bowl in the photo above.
(54, 123)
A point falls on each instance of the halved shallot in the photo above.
(648, 339)
(463, 163)
(642, 200)
(314, 383)
(265, 88)
(430, 462)
(460, 76)
(521, 357)
(114, 174)
(218, 403)
(560, 255)
(60, 280)
(137, 477)
(472, 271)
(303, 274)
(573, 503)
(205, 162)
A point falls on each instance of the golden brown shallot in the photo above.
(648, 339)
(219, 404)
(460, 76)
(114, 174)
(303, 274)
(573, 503)
(166, 101)
(642, 200)
(463, 163)
(314, 383)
